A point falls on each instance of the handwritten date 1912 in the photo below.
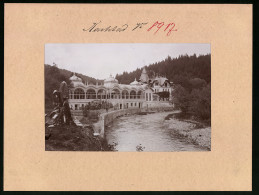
(168, 28)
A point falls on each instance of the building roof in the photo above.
(135, 82)
(75, 78)
(160, 80)
(111, 79)
(144, 77)
(109, 83)
(77, 84)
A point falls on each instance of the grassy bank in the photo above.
(73, 138)
(196, 132)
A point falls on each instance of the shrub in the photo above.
(163, 95)
(96, 105)
(181, 99)
(197, 102)
(201, 102)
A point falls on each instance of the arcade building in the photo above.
(138, 94)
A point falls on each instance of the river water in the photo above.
(145, 133)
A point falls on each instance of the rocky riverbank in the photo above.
(193, 131)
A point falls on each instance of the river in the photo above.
(148, 133)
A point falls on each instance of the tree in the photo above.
(181, 99)
(163, 94)
(187, 67)
(197, 83)
(196, 103)
(201, 103)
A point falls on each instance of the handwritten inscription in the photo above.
(139, 25)
(96, 28)
(168, 28)
(159, 25)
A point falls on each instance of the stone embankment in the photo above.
(192, 131)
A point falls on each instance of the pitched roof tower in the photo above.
(144, 77)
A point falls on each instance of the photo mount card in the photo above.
(31, 162)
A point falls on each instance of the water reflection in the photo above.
(145, 133)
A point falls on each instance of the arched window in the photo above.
(125, 94)
(115, 94)
(133, 94)
(79, 94)
(139, 95)
(90, 94)
(101, 94)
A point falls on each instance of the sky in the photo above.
(101, 60)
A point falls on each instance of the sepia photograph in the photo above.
(128, 97)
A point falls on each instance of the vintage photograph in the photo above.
(128, 97)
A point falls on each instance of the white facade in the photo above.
(136, 94)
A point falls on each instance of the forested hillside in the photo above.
(177, 70)
(191, 76)
(54, 76)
